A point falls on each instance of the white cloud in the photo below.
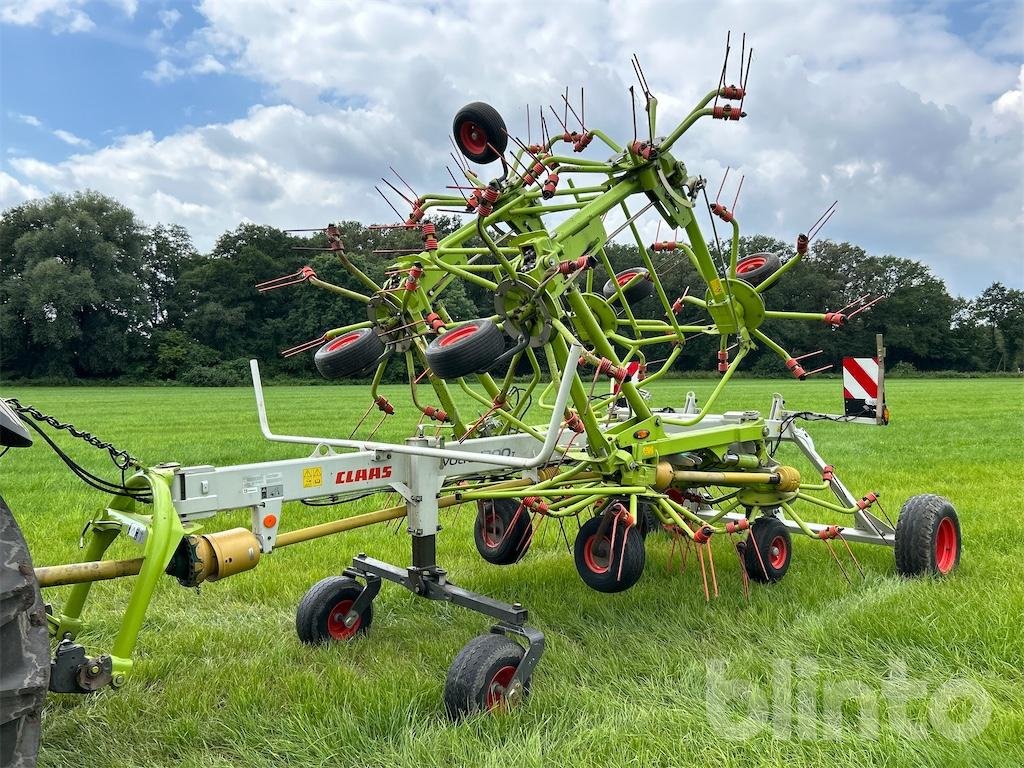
(59, 15)
(169, 17)
(13, 191)
(915, 129)
(32, 120)
(69, 138)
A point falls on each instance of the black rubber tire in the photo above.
(646, 521)
(475, 126)
(598, 559)
(465, 349)
(775, 547)
(349, 354)
(472, 673)
(637, 292)
(24, 648)
(502, 530)
(322, 609)
(757, 267)
(927, 537)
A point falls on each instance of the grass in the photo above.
(222, 681)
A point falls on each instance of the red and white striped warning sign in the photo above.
(860, 378)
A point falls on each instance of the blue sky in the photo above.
(211, 113)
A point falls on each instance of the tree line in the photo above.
(87, 292)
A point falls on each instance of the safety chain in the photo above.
(122, 459)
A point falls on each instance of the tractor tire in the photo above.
(757, 268)
(24, 648)
(349, 354)
(927, 537)
(605, 562)
(637, 292)
(465, 349)
(502, 530)
(768, 550)
(480, 132)
(479, 674)
(321, 613)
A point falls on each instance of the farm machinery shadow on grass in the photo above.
(606, 457)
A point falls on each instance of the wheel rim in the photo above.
(778, 552)
(597, 554)
(945, 546)
(336, 621)
(749, 265)
(625, 277)
(472, 137)
(493, 530)
(459, 333)
(343, 341)
(498, 685)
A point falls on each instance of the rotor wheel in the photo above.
(465, 349)
(480, 132)
(349, 354)
(609, 557)
(642, 286)
(320, 618)
(757, 268)
(480, 677)
(768, 550)
(927, 537)
(502, 531)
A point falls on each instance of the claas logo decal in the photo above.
(359, 475)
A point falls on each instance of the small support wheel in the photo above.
(768, 550)
(609, 554)
(465, 349)
(641, 288)
(321, 615)
(502, 530)
(349, 354)
(480, 678)
(480, 132)
(927, 536)
(757, 267)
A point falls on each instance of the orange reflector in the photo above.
(642, 434)
(270, 521)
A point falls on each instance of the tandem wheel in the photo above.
(483, 677)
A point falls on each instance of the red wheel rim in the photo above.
(473, 138)
(459, 333)
(336, 621)
(749, 265)
(945, 546)
(625, 277)
(496, 688)
(493, 529)
(343, 341)
(597, 562)
(778, 552)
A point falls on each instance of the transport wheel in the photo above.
(502, 530)
(320, 617)
(757, 267)
(479, 678)
(927, 536)
(24, 648)
(475, 126)
(605, 564)
(646, 520)
(348, 354)
(637, 292)
(769, 561)
(465, 349)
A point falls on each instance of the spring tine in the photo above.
(744, 576)
(838, 561)
(722, 185)
(388, 202)
(865, 307)
(404, 182)
(565, 536)
(751, 539)
(632, 99)
(711, 563)
(818, 370)
(703, 573)
(737, 198)
(816, 226)
(379, 424)
(360, 422)
(306, 345)
(808, 354)
(852, 556)
(397, 192)
(746, 78)
(721, 79)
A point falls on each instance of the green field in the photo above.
(221, 679)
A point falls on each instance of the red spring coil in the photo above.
(574, 422)
(533, 174)
(415, 216)
(607, 367)
(737, 526)
(472, 202)
(550, 185)
(727, 112)
(721, 212)
(415, 273)
(801, 243)
(796, 369)
(571, 138)
(827, 472)
(435, 322)
(430, 243)
(703, 534)
(733, 92)
(575, 265)
(583, 142)
(664, 245)
(489, 197)
(723, 361)
(382, 403)
(835, 319)
(829, 532)
(643, 149)
(428, 228)
(535, 149)
(436, 413)
(867, 501)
